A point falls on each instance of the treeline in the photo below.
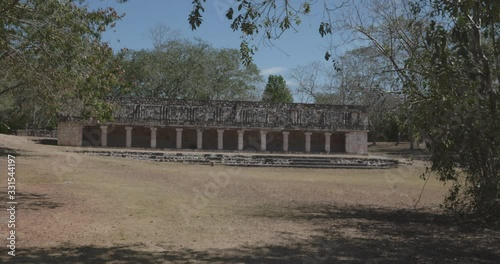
(53, 59)
(182, 69)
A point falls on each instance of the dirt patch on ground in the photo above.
(76, 208)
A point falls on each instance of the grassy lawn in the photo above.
(75, 208)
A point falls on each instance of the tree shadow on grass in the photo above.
(45, 141)
(395, 151)
(8, 151)
(31, 201)
(346, 235)
(384, 235)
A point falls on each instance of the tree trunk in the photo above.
(374, 138)
(412, 140)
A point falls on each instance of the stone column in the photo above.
(240, 139)
(348, 143)
(178, 142)
(104, 136)
(153, 137)
(327, 142)
(220, 139)
(263, 140)
(308, 141)
(285, 141)
(363, 143)
(128, 141)
(199, 138)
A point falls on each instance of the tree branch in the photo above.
(10, 88)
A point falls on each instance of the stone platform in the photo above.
(252, 160)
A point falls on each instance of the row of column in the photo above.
(220, 139)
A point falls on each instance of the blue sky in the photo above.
(132, 31)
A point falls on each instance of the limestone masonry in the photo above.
(222, 125)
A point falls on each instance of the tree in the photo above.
(459, 109)
(52, 58)
(276, 90)
(363, 77)
(182, 69)
(368, 79)
(316, 83)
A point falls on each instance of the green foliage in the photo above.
(276, 90)
(181, 69)
(52, 58)
(459, 110)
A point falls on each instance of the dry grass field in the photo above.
(75, 208)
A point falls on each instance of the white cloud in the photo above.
(272, 70)
(290, 82)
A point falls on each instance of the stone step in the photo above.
(253, 160)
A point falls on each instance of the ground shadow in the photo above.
(8, 151)
(417, 154)
(400, 151)
(31, 201)
(45, 141)
(353, 234)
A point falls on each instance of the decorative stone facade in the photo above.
(223, 125)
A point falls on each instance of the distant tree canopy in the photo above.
(276, 90)
(181, 69)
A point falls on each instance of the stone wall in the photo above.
(239, 114)
(356, 143)
(69, 134)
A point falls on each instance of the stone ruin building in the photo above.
(223, 125)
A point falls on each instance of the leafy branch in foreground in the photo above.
(267, 20)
